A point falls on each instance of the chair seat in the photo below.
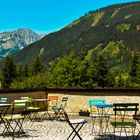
(77, 121)
(120, 124)
(32, 108)
(57, 108)
(100, 116)
(16, 116)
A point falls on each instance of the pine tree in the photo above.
(120, 81)
(37, 67)
(134, 66)
(8, 72)
(135, 71)
(102, 72)
(20, 73)
(26, 70)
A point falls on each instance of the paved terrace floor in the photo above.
(55, 130)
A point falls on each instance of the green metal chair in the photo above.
(31, 109)
(13, 121)
(124, 117)
(59, 110)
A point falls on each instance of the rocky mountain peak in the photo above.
(13, 41)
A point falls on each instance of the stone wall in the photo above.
(77, 100)
(17, 95)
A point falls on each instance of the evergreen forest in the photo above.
(70, 71)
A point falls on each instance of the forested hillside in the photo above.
(113, 31)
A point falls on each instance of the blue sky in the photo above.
(45, 16)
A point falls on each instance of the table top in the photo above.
(41, 100)
(104, 105)
(5, 105)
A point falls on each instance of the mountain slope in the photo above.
(116, 27)
(14, 41)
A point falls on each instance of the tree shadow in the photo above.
(115, 137)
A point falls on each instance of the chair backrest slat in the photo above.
(125, 107)
(64, 102)
(53, 97)
(3, 100)
(18, 106)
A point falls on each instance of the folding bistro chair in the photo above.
(98, 115)
(59, 110)
(137, 118)
(14, 121)
(31, 109)
(76, 125)
(3, 100)
(124, 117)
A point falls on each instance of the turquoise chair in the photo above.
(98, 115)
(59, 110)
(3, 100)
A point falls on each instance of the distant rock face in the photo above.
(13, 41)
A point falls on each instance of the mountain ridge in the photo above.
(95, 31)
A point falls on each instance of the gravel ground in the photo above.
(55, 130)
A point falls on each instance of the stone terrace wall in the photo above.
(12, 95)
(77, 102)
(79, 99)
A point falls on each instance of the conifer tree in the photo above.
(20, 73)
(8, 72)
(135, 71)
(120, 81)
(37, 67)
(102, 72)
(134, 66)
(26, 70)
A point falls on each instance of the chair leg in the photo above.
(107, 126)
(55, 114)
(58, 115)
(133, 131)
(114, 134)
(72, 131)
(93, 126)
(76, 131)
(137, 136)
(8, 127)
